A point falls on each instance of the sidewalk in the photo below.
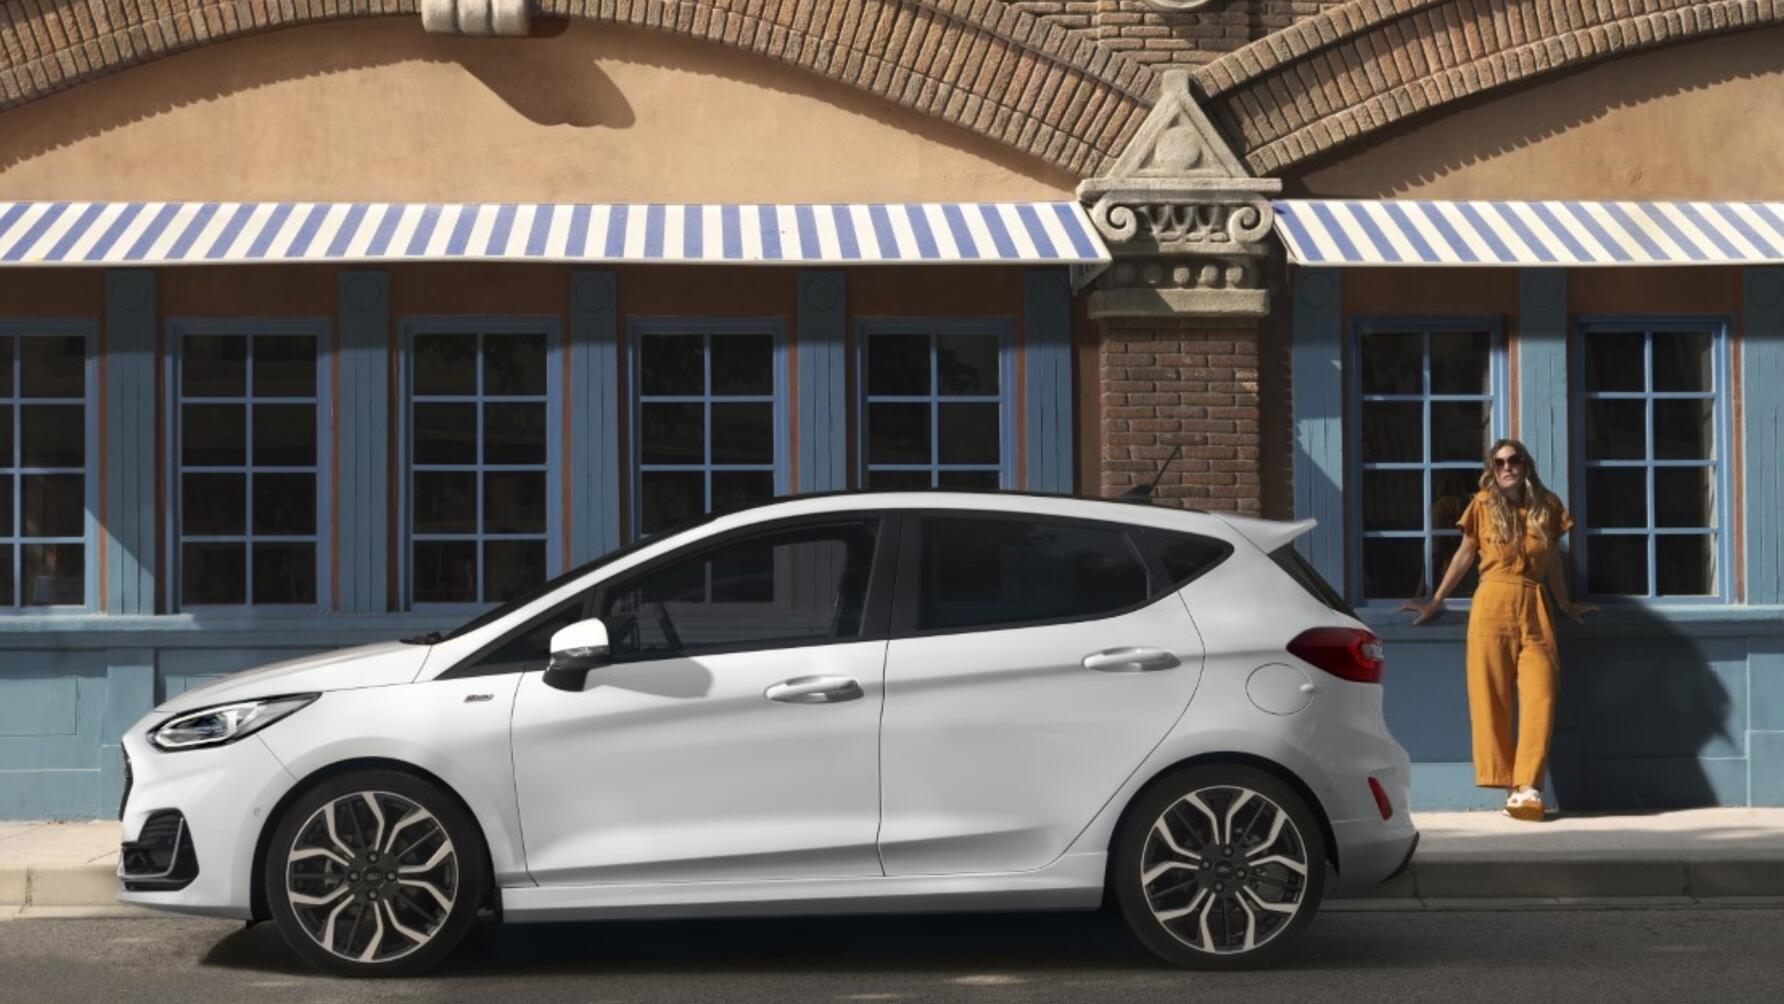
(1464, 858)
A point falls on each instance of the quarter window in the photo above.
(980, 572)
(936, 407)
(43, 469)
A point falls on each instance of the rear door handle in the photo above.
(814, 690)
(1131, 660)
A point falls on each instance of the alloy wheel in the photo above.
(1224, 870)
(372, 876)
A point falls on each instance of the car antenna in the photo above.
(1143, 493)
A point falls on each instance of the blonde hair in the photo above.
(1537, 499)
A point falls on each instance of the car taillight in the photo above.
(1382, 805)
(1347, 653)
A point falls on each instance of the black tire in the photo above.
(1201, 910)
(462, 876)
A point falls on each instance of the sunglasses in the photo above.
(1501, 463)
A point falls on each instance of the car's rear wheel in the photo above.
(375, 873)
(1219, 866)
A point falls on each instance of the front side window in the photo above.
(936, 407)
(1425, 416)
(1000, 572)
(479, 462)
(1652, 459)
(796, 586)
(43, 469)
(247, 470)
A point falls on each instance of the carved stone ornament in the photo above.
(476, 17)
(1184, 218)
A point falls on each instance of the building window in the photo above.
(710, 419)
(1425, 414)
(480, 444)
(43, 467)
(937, 406)
(247, 469)
(1653, 443)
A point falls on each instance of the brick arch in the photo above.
(1366, 64)
(990, 67)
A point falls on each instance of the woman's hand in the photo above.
(1426, 610)
(1577, 612)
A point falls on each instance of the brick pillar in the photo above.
(1166, 383)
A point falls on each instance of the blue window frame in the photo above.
(48, 439)
(709, 417)
(1426, 399)
(482, 452)
(1651, 434)
(937, 404)
(246, 439)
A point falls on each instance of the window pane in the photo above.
(742, 364)
(1684, 430)
(514, 433)
(898, 434)
(514, 502)
(962, 480)
(966, 364)
(1451, 491)
(968, 433)
(6, 527)
(898, 364)
(1614, 363)
(6, 593)
(1684, 496)
(284, 435)
(742, 433)
(445, 364)
(670, 498)
(52, 435)
(52, 366)
(1394, 568)
(52, 505)
(6, 344)
(1443, 548)
(213, 435)
(7, 458)
(1616, 496)
(445, 502)
(284, 573)
(1392, 500)
(671, 364)
(53, 574)
(445, 571)
(213, 504)
(1393, 431)
(514, 364)
(1460, 362)
(1460, 430)
(1617, 565)
(1685, 565)
(1682, 361)
(736, 489)
(899, 481)
(445, 433)
(284, 504)
(1616, 430)
(284, 366)
(1184, 556)
(672, 433)
(994, 573)
(511, 567)
(213, 573)
(213, 366)
(1393, 363)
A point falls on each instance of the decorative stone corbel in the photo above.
(1184, 219)
(476, 17)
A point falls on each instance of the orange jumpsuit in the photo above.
(1511, 642)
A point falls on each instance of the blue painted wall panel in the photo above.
(595, 433)
(1047, 358)
(130, 442)
(1765, 774)
(1765, 686)
(822, 404)
(362, 418)
(1318, 398)
(1542, 372)
(1762, 432)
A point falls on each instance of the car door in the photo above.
(735, 736)
(1034, 665)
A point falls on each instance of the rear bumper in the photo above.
(1371, 851)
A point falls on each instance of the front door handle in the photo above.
(1131, 660)
(814, 690)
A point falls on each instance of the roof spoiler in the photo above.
(1270, 534)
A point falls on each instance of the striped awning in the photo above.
(181, 233)
(1408, 232)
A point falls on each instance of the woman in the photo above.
(1512, 524)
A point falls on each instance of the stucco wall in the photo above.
(379, 110)
(1693, 121)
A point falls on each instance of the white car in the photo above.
(855, 703)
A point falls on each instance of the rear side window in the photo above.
(1290, 561)
(990, 572)
(1181, 557)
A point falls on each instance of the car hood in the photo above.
(379, 665)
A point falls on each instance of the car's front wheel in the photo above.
(1219, 866)
(374, 873)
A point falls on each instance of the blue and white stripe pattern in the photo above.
(158, 233)
(1409, 232)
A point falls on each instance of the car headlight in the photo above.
(224, 723)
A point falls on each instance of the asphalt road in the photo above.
(1578, 955)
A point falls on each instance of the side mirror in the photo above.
(574, 651)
